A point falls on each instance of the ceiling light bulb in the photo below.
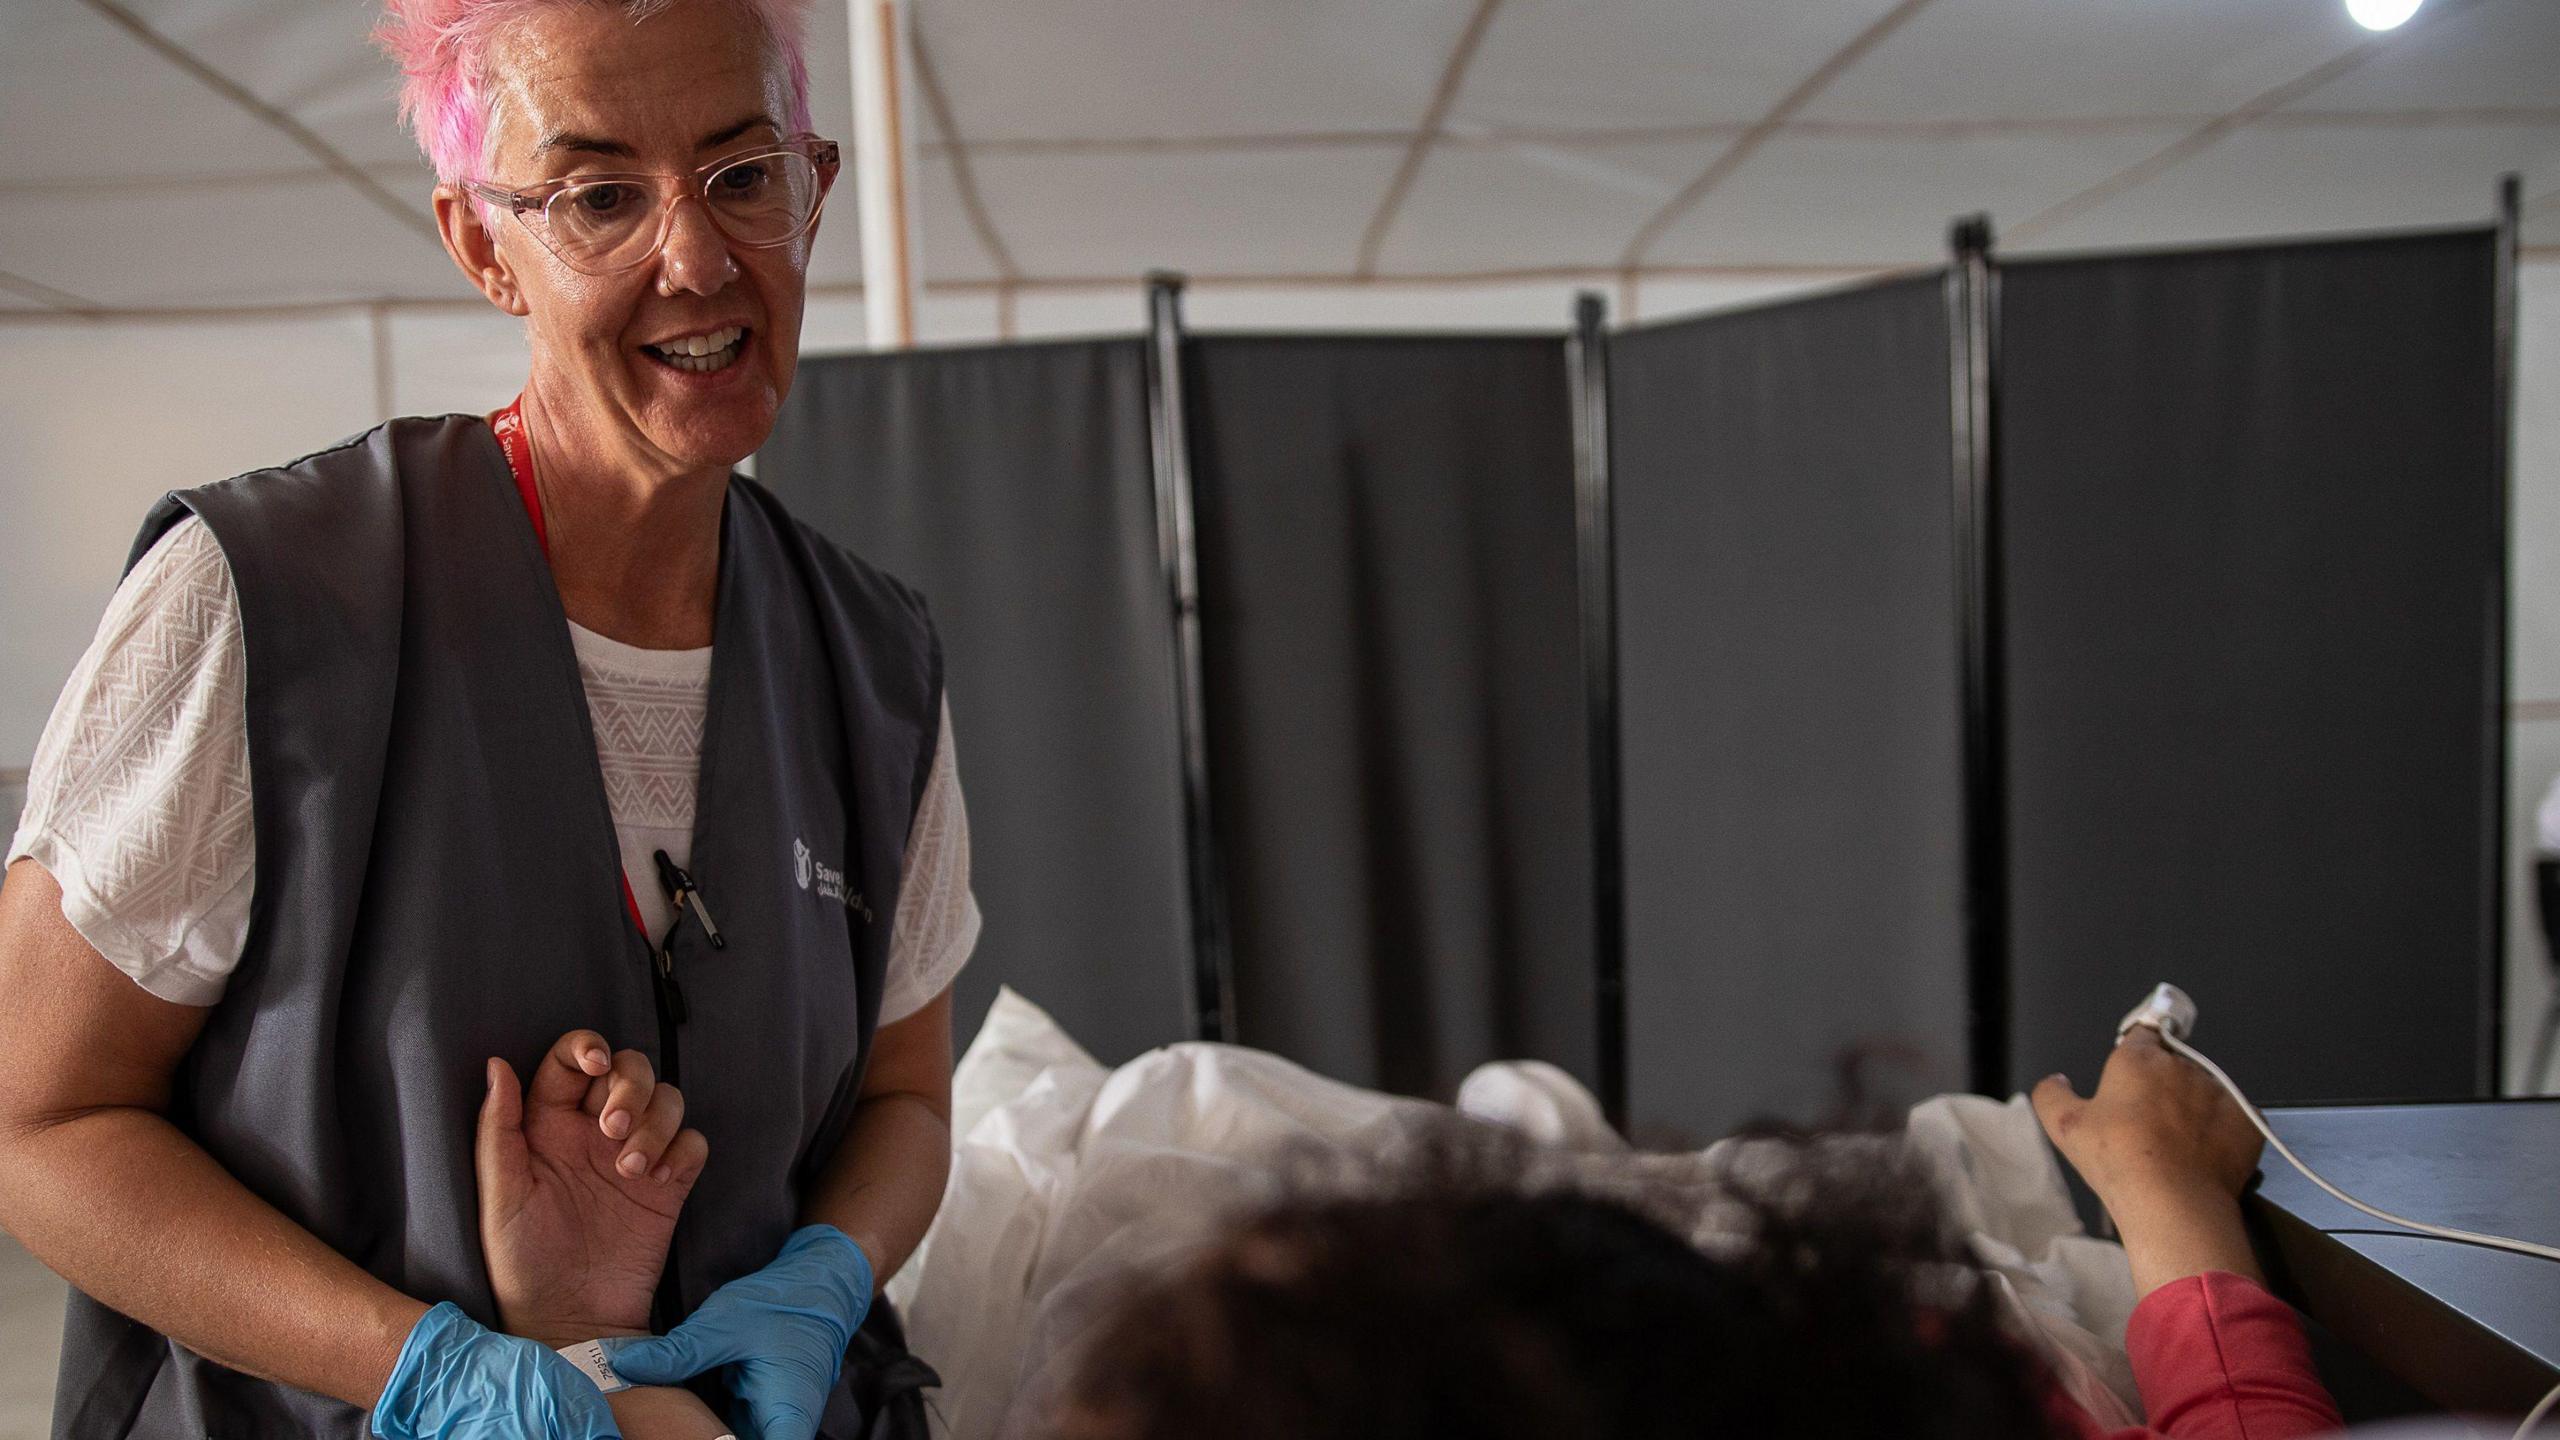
(2382, 14)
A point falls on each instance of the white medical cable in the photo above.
(2533, 1417)
(2539, 1412)
(2442, 1232)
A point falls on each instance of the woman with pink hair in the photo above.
(441, 755)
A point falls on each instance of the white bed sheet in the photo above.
(1066, 1173)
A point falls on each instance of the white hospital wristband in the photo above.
(588, 1356)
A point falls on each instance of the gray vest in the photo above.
(439, 882)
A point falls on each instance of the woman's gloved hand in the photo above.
(783, 1330)
(457, 1380)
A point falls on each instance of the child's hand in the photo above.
(2167, 1151)
(581, 1179)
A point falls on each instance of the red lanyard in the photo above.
(509, 425)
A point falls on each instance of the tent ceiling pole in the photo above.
(1211, 990)
(61, 301)
(884, 171)
(1595, 527)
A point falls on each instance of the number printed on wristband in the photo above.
(588, 1356)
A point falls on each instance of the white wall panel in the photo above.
(466, 361)
(2533, 758)
(99, 421)
(2537, 484)
(833, 323)
(951, 248)
(2534, 752)
(1055, 314)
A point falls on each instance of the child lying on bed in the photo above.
(1457, 1302)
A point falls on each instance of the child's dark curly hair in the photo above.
(1462, 1298)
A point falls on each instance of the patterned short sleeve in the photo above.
(938, 922)
(138, 797)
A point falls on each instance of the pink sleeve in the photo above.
(2218, 1358)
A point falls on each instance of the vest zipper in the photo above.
(668, 1307)
(671, 1012)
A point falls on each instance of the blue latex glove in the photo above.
(783, 1330)
(458, 1380)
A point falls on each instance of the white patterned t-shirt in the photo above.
(138, 798)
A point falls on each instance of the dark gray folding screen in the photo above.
(1790, 705)
(2253, 522)
(1012, 486)
(1387, 557)
(1394, 700)
(2236, 524)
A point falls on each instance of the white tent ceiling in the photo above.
(216, 154)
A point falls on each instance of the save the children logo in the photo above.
(807, 867)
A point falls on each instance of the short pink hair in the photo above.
(442, 47)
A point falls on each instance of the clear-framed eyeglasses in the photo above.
(603, 224)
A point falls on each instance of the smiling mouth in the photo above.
(701, 354)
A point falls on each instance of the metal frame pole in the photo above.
(1212, 989)
(1595, 528)
(884, 156)
(2492, 1072)
(1973, 307)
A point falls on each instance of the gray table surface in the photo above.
(2471, 1328)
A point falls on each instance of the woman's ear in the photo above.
(475, 251)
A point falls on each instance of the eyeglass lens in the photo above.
(606, 224)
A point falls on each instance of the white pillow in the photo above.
(1016, 1043)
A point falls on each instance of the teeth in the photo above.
(702, 353)
(712, 343)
